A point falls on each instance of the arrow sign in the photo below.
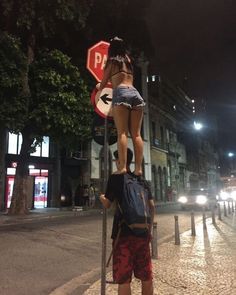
(101, 101)
(105, 98)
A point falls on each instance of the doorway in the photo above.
(40, 192)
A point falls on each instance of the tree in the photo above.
(34, 22)
(38, 24)
(13, 65)
(59, 107)
(60, 103)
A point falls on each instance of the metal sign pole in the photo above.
(104, 221)
(96, 69)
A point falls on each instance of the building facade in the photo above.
(176, 157)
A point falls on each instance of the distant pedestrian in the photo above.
(131, 251)
(91, 196)
(169, 193)
(86, 195)
(127, 103)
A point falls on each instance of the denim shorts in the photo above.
(127, 96)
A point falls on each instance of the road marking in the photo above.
(73, 284)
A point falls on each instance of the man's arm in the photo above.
(151, 205)
(105, 202)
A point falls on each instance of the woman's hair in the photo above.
(116, 48)
(117, 53)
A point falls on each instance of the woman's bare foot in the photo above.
(123, 171)
(138, 172)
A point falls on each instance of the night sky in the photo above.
(195, 46)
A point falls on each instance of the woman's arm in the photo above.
(106, 75)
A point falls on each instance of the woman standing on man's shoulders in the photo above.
(127, 103)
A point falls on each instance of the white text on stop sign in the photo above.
(100, 60)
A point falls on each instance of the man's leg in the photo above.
(147, 287)
(143, 264)
(124, 289)
(123, 265)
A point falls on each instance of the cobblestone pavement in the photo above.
(203, 265)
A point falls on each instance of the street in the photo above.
(40, 256)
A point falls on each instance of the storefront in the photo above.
(40, 165)
(37, 188)
(50, 176)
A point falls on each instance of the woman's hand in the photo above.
(98, 86)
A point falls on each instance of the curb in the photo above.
(11, 220)
(83, 281)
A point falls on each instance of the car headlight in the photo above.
(233, 195)
(224, 195)
(182, 199)
(63, 198)
(201, 199)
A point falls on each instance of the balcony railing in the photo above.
(158, 144)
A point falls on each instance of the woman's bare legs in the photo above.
(121, 118)
(135, 123)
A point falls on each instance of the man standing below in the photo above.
(131, 251)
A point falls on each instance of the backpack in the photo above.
(134, 204)
(133, 207)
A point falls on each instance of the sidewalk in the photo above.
(49, 213)
(45, 213)
(203, 265)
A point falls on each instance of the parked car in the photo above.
(197, 198)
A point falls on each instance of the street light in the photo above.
(231, 156)
(197, 125)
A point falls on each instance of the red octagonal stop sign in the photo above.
(96, 59)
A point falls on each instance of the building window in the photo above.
(167, 136)
(15, 141)
(162, 136)
(153, 132)
(43, 149)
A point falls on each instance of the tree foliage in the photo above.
(44, 93)
(59, 104)
(48, 106)
(12, 66)
(43, 17)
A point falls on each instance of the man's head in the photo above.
(129, 156)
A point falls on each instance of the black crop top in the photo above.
(122, 71)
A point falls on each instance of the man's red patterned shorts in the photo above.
(132, 255)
